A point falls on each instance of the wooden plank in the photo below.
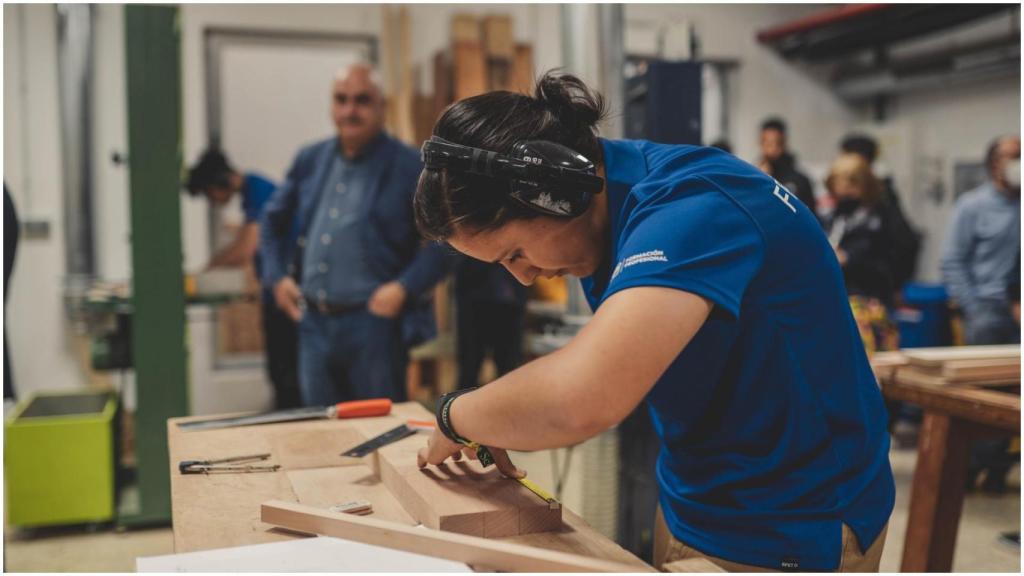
(463, 496)
(693, 565)
(326, 487)
(477, 552)
(938, 356)
(469, 69)
(443, 94)
(499, 74)
(933, 378)
(522, 77)
(465, 28)
(937, 496)
(990, 407)
(498, 40)
(981, 370)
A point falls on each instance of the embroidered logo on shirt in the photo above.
(649, 256)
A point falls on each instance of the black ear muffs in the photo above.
(544, 176)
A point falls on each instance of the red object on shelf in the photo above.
(823, 18)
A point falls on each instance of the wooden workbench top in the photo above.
(222, 510)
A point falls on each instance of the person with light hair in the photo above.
(859, 229)
(360, 280)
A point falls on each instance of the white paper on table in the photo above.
(321, 554)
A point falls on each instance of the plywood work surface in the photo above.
(222, 510)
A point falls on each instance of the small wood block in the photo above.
(522, 77)
(465, 28)
(463, 496)
(469, 69)
(498, 40)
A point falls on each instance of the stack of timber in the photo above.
(484, 57)
(963, 365)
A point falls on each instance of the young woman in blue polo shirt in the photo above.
(717, 300)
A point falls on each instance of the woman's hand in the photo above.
(440, 448)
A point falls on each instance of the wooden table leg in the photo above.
(937, 495)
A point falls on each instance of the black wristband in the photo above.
(444, 423)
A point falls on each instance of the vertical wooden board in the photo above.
(499, 74)
(469, 68)
(442, 95)
(424, 117)
(522, 76)
(498, 40)
(326, 487)
(465, 28)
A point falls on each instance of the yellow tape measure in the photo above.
(552, 503)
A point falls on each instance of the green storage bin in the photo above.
(59, 460)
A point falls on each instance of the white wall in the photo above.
(39, 337)
(939, 128)
(764, 84)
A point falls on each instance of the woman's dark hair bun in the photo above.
(568, 98)
(562, 110)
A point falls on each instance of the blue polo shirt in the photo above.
(773, 426)
(256, 190)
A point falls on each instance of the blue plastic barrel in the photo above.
(924, 318)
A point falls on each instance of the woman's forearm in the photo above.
(534, 407)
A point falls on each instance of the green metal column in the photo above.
(154, 154)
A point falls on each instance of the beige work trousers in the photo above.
(668, 549)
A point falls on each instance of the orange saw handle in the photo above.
(363, 408)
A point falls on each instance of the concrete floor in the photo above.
(978, 547)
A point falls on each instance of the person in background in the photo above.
(360, 284)
(214, 177)
(905, 241)
(722, 144)
(779, 163)
(859, 231)
(980, 257)
(12, 232)
(491, 317)
(983, 245)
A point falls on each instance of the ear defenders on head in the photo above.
(546, 177)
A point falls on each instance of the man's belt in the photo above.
(328, 309)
